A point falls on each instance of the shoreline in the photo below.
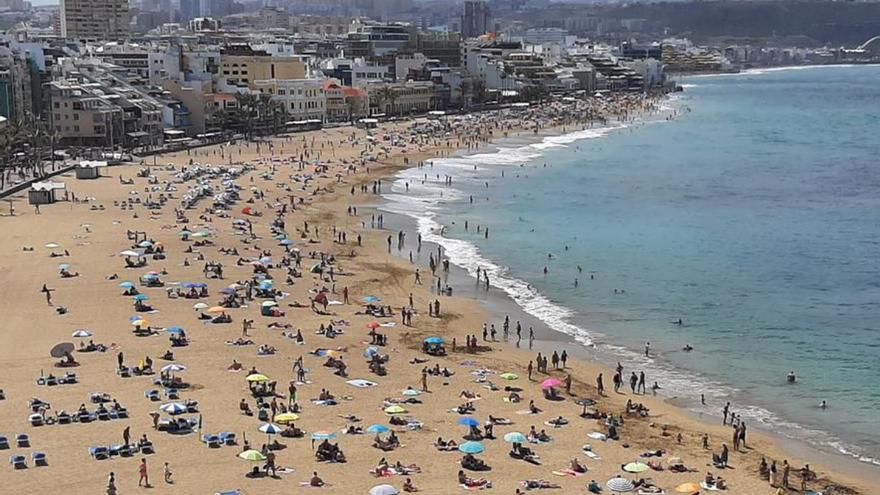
(500, 304)
(372, 271)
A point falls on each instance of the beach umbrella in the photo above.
(173, 408)
(138, 323)
(383, 490)
(126, 285)
(215, 309)
(287, 417)
(266, 260)
(377, 428)
(257, 377)
(370, 299)
(81, 334)
(468, 421)
(286, 242)
(63, 266)
(60, 350)
(200, 305)
(268, 304)
(129, 252)
(173, 367)
(514, 437)
(202, 233)
(411, 392)
(247, 210)
(270, 428)
(471, 447)
(227, 291)
(53, 245)
(374, 324)
(433, 340)
(688, 488)
(509, 376)
(395, 409)
(323, 435)
(620, 484)
(636, 467)
(280, 237)
(370, 352)
(252, 455)
(551, 382)
(145, 244)
(141, 297)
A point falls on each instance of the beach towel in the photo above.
(475, 488)
(595, 435)
(361, 383)
(592, 455)
(567, 472)
(308, 484)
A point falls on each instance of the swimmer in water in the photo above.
(688, 348)
(823, 404)
(791, 377)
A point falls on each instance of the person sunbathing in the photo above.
(472, 463)
(316, 481)
(446, 445)
(576, 466)
(409, 487)
(533, 409)
(559, 421)
(539, 484)
(471, 482)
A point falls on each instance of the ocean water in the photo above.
(753, 215)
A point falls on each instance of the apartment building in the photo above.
(94, 20)
(301, 99)
(241, 65)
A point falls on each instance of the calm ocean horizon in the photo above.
(754, 216)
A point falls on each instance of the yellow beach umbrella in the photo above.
(509, 376)
(215, 309)
(286, 418)
(257, 377)
(252, 455)
(395, 409)
(139, 323)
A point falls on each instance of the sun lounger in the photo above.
(152, 395)
(18, 461)
(212, 441)
(39, 459)
(4, 442)
(228, 437)
(147, 448)
(172, 393)
(69, 378)
(103, 414)
(99, 453)
(123, 372)
(121, 450)
(23, 440)
(35, 419)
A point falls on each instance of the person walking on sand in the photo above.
(424, 380)
(46, 290)
(144, 479)
(725, 412)
(785, 473)
(600, 385)
(563, 358)
(530, 368)
(126, 436)
(111, 484)
(641, 385)
(166, 471)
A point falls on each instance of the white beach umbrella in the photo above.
(620, 484)
(173, 367)
(383, 490)
(82, 334)
(270, 428)
(173, 408)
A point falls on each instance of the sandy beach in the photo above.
(322, 185)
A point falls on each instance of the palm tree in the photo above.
(388, 96)
(478, 90)
(247, 112)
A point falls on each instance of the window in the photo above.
(76, 116)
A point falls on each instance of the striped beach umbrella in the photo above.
(173, 408)
(620, 484)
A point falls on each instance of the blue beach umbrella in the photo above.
(135, 318)
(145, 244)
(270, 428)
(141, 297)
(471, 447)
(265, 285)
(433, 340)
(370, 352)
(370, 299)
(468, 421)
(266, 260)
(377, 428)
(286, 242)
(174, 330)
(227, 291)
(323, 435)
(126, 285)
(514, 437)
(280, 237)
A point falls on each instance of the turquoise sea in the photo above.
(754, 216)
